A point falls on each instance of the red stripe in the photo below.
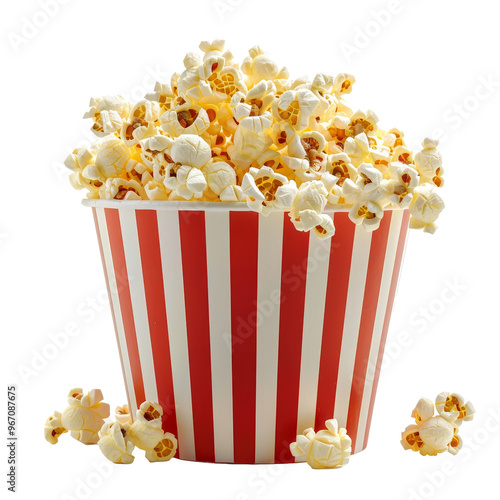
(370, 302)
(122, 285)
(339, 270)
(194, 270)
(149, 243)
(293, 291)
(390, 302)
(96, 222)
(244, 246)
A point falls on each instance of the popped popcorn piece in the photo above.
(369, 178)
(331, 183)
(453, 408)
(108, 114)
(115, 444)
(320, 224)
(362, 122)
(140, 123)
(257, 100)
(343, 83)
(357, 148)
(325, 449)
(190, 153)
(429, 162)
(403, 183)
(146, 431)
(186, 119)
(155, 154)
(281, 134)
(122, 414)
(295, 107)
(259, 66)
(306, 156)
(79, 159)
(425, 207)
(250, 141)
(435, 434)
(164, 450)
(53, 428)
(262, 189)
(221, 178)
(190, 150)
(112, 156)
(341, 167)
(156, 190)
(403, 155)
(368, 213)
(163, 95)
(311, 195)
(85, 415)
(117, 188)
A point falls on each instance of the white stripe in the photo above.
(138, 297)
(385, 286)
(268, 303)
(314, 313)
(170, 245)
(219, 294)
(355, 294)
(115, 304)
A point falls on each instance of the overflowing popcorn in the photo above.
(325, 449)
(432, 434)
(117, 440)
(223, 132)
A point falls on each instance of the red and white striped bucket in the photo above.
(245, 330)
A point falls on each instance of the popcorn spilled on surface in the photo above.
(326, 449)
(432, 434)
(84, 418)
(229, 133)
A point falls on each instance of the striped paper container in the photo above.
(245, 330)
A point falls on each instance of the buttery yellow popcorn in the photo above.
(425, 207)
(112, 156)
(122, 414)
(108, 113)
(222, 180)
(432, 434)
(295, 108)
(367, 213)
(115, 444)
(164, 450)
(146, 431)
(263, 189)
(53, 428)
(259, 66)
(85, 415)
(453, 407)
(140, 123)
(239, 119)
(122, 189)
(311, 196)
(429, 162)
(185, 119)
(325, 449)
(185, 178)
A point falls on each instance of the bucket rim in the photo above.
(205, 206)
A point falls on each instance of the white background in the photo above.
(420, 65)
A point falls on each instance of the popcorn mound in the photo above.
(223, 132)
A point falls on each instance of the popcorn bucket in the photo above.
(245, 330)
